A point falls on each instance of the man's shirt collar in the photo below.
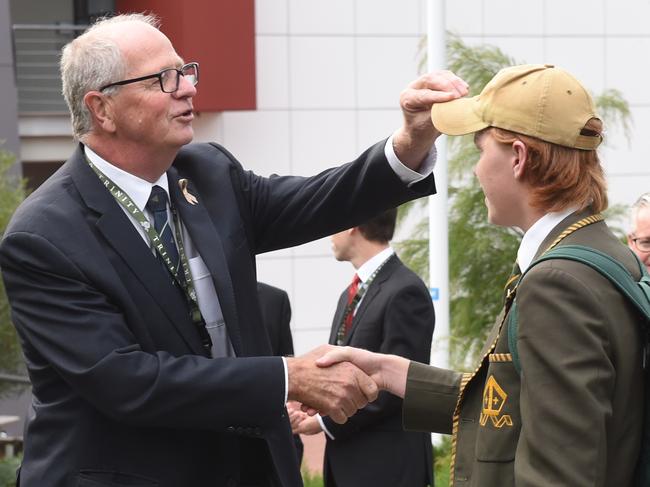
(138, 189)
(371, 265)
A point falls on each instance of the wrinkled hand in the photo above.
(414, 139)
(337, 391)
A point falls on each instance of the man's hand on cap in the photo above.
(413, 141)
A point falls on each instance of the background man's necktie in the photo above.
(157, 204)
(352, 292)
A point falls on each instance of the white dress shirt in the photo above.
(536, 234)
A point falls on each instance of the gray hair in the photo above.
(91, 61)
(642, 202)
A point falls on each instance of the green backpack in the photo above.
(636, 291)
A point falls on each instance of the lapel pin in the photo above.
(191, 199)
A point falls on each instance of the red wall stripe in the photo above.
(220, 35)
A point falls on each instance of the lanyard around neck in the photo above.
(187, 283)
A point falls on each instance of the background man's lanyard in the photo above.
(186, 284)
(363, 288)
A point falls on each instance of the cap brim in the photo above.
(457, 117)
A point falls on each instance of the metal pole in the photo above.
(438, 231)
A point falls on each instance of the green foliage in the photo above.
(476, 64)
(415, 250)
(442, 462)
(12, 192)
(615, 109)
(480, 254)
(309, 479)
(8, 467)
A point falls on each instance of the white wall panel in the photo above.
(321, 139)
(272, 64)
(321, 17)
(375, 125)
(464, 17)
(385, 66)
(322, 72)
(629, 157)
(627, 17)
(318, 248)
(317, 286)
(574, 17)
(305, 340)
(208, 127)
(386, 17)
(513, 17)
(628, 66)
(259, 140)
(582, 57)
(271, 17)
(277, 271)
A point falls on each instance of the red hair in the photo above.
(561, 176)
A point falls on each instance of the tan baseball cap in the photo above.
(538, 100)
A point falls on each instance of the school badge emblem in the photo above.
(494, 398)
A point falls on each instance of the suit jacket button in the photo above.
(230, 429)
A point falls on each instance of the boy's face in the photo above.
(495, 174)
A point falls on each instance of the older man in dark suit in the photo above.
(386, 309)
(131, 276)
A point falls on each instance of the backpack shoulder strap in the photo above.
(636, 291)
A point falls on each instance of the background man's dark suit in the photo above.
(276, 313)
(372, 449)
(93, 306)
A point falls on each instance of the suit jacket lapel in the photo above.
(122, 236)
(373, 290)
(338, 317)
(207, 241)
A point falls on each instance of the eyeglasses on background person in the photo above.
(642, 243)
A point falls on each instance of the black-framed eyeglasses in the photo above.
(642, 243)
(169, 78)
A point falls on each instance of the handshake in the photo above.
(338, 381)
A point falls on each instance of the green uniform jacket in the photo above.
(573, 418)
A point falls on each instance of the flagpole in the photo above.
(438, 227)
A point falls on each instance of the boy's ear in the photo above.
(520, 158)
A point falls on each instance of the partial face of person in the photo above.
(494, 171)
(143, 113)
(341, 245)
(639, 238)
